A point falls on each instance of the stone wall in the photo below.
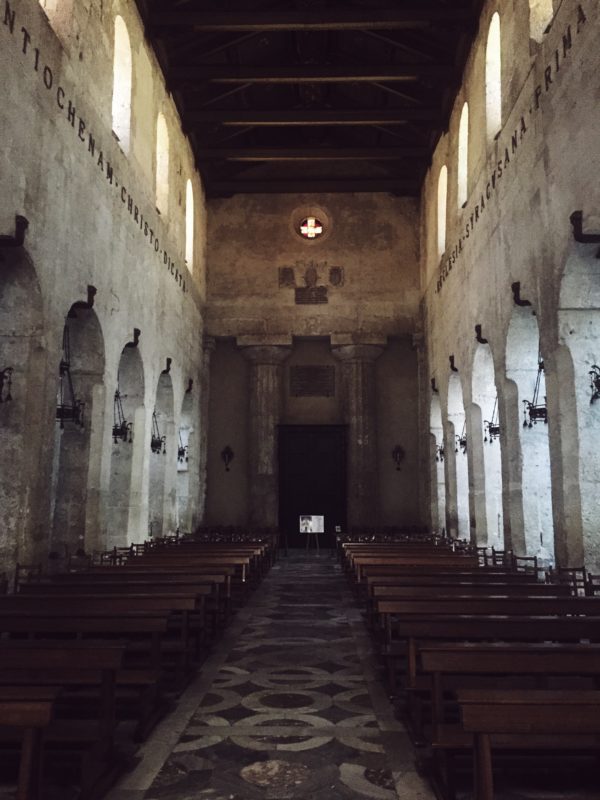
(522, 189)
(339, 301)
(92, 222)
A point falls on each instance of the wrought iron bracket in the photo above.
(516, 290)
(190, 385)
(478, 335)
(18, 240)
(452, 367)
(167, 369)
(136, 338)
(576, 220)
(434, 388)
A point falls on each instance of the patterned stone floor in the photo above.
(289, 706)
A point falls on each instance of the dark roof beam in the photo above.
(312, 117)
(415, 15)
(313, 154)
(332, 73)
(219, 188)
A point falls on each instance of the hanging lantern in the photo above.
(461, 441)
(158, 443)
(533, 410)
(122, 430)
(492, 427)
(182, 452)
(68, 407)
(439, 453)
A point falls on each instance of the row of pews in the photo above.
(486, 663)
(91, 659)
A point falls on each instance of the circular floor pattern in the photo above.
(263, 741)
(289, 678)
(360, 780)
(357, 701)
(297, 701)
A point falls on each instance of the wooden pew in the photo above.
(28, 709)
(83, 733)
(403, 636)
(561, 720)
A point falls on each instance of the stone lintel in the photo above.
(357, 352)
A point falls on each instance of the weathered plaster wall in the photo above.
(523, 188)
(372, 236)
(227, 492)
(397, 424)
(62, 168)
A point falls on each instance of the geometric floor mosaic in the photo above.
(294, 709)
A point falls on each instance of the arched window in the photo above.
(493, 78)
(463, 157)
(162, 165)
(189, 225)
(540, 16)
(122, 73)
(441, 210)
(49, 6)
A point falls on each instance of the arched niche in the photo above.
(456, 455)
(161, 483)
(577, 367)
(522, 367)
(126, 453)
(437, 455)
(84, 359)
(486, 454)
(25, 418)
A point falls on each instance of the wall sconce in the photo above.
(536, 411)
(492, 427)
(398, 456)
(182, 452)
(158, 443)
(68, 406)
(594, 383)
(121, 428)
(461, 441)
(6, 384)
(439, 453)
(227, 455)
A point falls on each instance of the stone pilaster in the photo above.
(264, 416)
(358, 400)
(208, 347)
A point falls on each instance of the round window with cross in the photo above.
(311, 228)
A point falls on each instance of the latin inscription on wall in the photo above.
(312, 381)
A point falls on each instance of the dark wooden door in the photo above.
(312, 479)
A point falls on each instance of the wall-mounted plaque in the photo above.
(312, 381)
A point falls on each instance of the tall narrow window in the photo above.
(540, 16)
(463, 157)
(493, 78)
(162, 165)
(189, 225)
(441, 210)
(122, 72)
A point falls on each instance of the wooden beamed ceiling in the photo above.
(307, 96)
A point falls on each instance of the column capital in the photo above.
(266, 354)
(357, 352)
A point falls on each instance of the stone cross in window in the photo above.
(311, 228)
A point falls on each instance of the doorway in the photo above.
(312, 480)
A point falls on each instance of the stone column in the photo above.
(358, 402)
(265, 414)
(199, 502)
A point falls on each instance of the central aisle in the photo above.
(288, 706)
